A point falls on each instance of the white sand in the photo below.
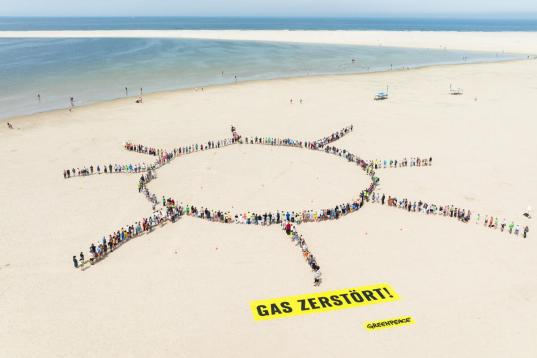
(513, 42)
(471, 290)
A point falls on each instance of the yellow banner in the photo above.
(387, 323)
(322, 302)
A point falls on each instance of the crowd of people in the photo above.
(174, 210)
(271, 218)
(108, 168)
(165, 157)
(399, 163)
(291, 232)
(106, 245)
(461, 214)
(171, 212)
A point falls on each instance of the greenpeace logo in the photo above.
(387, 323)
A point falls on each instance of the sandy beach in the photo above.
(184, 290)
(511, 42)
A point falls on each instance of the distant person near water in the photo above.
(72, 103)
(141, 98)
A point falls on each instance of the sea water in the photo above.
(92, 70)
(270, 23)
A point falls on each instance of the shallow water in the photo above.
(92, 70)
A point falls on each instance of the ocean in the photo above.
(92, 70)
(268, 23)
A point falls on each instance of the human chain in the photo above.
(291, 232)
(401, 163)
(105, 246)
(174, 211)
(164, 156)
(461, 214)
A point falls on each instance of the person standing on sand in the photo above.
(72, 102)
(317, 278)
(75, 262)
(126, 92)
(141, 98)
(81, 260)
(517, 229)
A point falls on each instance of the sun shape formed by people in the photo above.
(170, 210)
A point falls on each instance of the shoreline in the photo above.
(512, 42)
(29, 117)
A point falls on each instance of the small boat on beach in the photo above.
(381, 96)
(455, 91)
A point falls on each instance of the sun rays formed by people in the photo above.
(170, 210)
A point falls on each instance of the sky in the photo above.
(283, 8)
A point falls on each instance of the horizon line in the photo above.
(532, 15)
